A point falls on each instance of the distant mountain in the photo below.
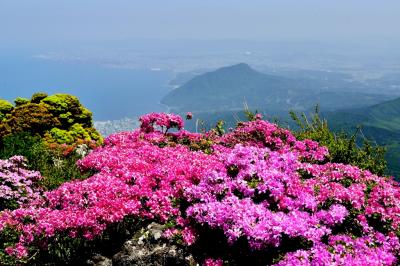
(228, 88)
(380, 122)
(183, 77)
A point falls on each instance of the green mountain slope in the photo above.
(229, 87)
(384, 117)
(380, 122)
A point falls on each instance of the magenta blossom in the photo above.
(189, 115)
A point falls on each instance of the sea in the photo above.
(109, 92)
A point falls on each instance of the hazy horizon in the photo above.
(57, 24)
(48, 45)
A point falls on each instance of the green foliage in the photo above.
(94, 135)
(55, 167)
(8, 237)
(31, 117)
(393, 158)
(62, 103)
(379, 122)
(37, 97)
(46, 130)
(77, 131)
(60, 136)
(70, 136)
(65, 107)
(85, 116)
(19, 144)
(249, 114)
(343, 148)
(219, 128)
(59, 118)
(5, 108)
(21, 101)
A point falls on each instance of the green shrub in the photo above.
(35, 118)
(59, 136)
(55, 166)
(37, 97)
(77, 131)
(62, 103)
(5, 108)
(21, 101)
(58, 118)
(8, 237)
(343, 148)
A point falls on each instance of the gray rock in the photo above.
(99, 260)
(149, 255)
(148, 248)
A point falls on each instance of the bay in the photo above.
(109, 92)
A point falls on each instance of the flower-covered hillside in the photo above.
(253, 195)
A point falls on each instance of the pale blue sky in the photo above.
(58, 21)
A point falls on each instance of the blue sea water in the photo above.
(110, 93)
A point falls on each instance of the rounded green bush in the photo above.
(62, 103)
(37, 97)
(77, 131)
(58, 118)
(61, 136)
(21, 101)
(5, 108)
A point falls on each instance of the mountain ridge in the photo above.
(227, 88)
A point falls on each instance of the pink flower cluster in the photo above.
(162, 120)
(258, 183)
(261, 133)
(17, 184)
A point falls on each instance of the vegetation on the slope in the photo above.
(58, 118)
(379, 123)
(56, 163)
(5, 108)
(349, 148)
(343, 148)
(47, 131)
(320, 189)
(255, 195)
(349, 141)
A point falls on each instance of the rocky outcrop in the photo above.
(147, 247)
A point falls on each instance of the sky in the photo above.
(50, 22)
